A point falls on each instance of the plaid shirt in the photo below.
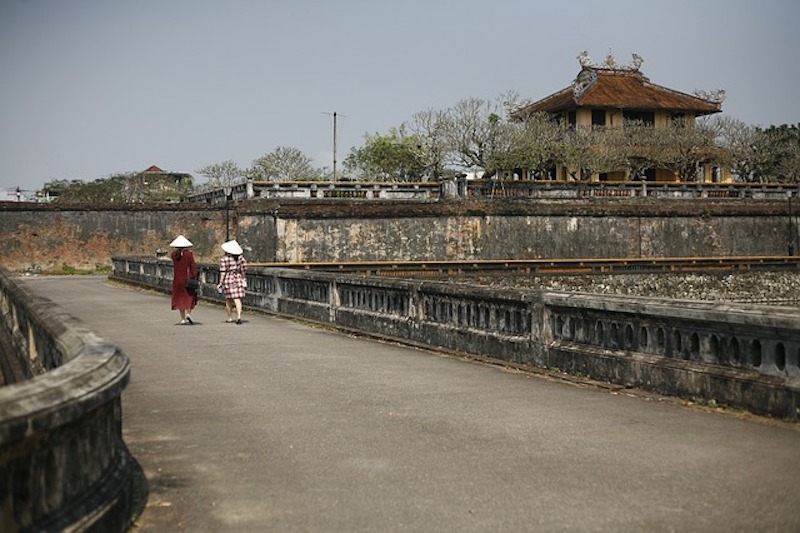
(232, 275)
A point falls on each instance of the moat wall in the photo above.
(45, 238)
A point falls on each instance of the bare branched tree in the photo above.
(581, 152)
(430, 128)
(221, 174)
(472, 133)
(746, 149)
(532, 145)
(632, 148)
(284, 164)
(683, 148)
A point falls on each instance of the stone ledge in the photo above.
(64, 465)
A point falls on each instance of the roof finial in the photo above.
(610, 63)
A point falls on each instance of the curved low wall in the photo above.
(63, 464)
(744, 356)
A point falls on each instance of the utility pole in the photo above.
(227, 190)
(791, 237)
(334, 114)
(334, 146)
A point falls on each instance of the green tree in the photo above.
(55, 188)
(115, 188)
(782, 164)
(392, 157)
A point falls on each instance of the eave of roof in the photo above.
(615, 89)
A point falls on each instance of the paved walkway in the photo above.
(278, 426)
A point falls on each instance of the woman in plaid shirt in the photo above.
(232, 279)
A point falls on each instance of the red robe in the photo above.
(184, 268)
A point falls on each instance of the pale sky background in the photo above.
(91, 88)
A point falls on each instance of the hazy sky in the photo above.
(90, 88)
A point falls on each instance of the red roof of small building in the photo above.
(618, 89)
(153, 168)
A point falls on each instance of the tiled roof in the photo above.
(619, 89)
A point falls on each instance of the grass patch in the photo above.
(69, 270)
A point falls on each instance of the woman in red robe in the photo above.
(183, 268)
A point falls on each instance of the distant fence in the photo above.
(320, 190)
(490, 188)
(743, 356)
(63, 464)
(642, 189)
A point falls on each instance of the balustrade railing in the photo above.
(753, 343)
(499, 188)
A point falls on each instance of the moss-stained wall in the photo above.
(41, 238)
(527, 237)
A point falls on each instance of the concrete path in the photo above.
(277, 426)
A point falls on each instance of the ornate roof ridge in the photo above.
(589, 70)
(613, 85)
(610, 63)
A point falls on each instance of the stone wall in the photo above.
(527, 237)
(44, 238)
(738, 355)
(63, 464)
(39, 238)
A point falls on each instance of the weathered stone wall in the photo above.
(744, 356)
(47, 237)
(63, 464)
(527, 237)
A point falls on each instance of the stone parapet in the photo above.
(739, 355)
(63, 464)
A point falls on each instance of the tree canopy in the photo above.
(396, 156)
(476, 135)
(284, 164)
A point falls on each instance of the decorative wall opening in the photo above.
(628, 337)
(644, 339)
(755, 354)
(713, 347)
(694, 348)
(677, 344)
(780, 356)
(735, 351)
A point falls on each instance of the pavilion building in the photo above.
(608, 94)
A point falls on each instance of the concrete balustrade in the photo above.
(63, 464)
(489, 188)
(555, 190)
(743, 356)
